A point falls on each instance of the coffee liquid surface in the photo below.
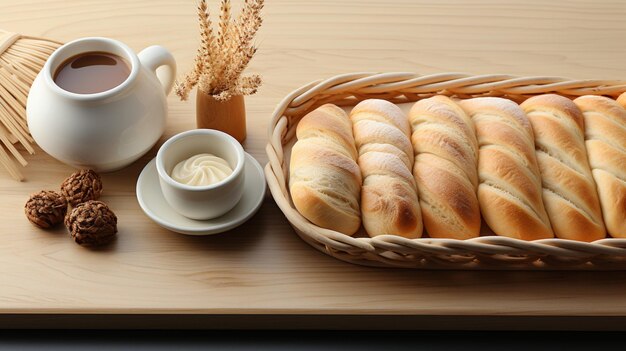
(91, 72)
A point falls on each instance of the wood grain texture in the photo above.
(262, 267)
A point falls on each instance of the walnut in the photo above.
(82, 186)
(92, 223)
(46, 208)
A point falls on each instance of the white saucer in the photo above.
(154, 205)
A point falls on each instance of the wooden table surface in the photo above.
(262, 274)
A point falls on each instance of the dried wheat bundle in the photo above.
(223, 56)
(21, 59)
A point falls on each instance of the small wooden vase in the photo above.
(226, 116)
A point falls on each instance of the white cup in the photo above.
(201, 202)
(108, 130)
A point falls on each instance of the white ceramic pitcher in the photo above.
(104, 131)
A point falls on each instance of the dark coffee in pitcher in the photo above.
(91, 72)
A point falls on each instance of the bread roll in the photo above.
(509, 192)
(569, 191)
(622, 100)
(389, 203)
(324, 178)
(446, 156)
(605, 138)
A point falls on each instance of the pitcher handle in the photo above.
(156, 56)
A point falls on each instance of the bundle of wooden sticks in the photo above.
(21, 59)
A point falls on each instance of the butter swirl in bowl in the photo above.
(193, 179)
(201, 170)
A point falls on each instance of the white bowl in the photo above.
(156, 208)
(201, 202)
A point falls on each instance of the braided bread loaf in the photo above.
(569, 192)
(446, 155)
(324, 178)
(389, 203)
(605, 135)
(509, 193)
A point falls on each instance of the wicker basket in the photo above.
(485, 252)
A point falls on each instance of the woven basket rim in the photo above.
(484, 252)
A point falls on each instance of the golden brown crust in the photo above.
(622, 100)
(612, 195)
(446, 153)
(327, 122)
(509, 193)
(605, 138)
(388, 196)
(556, 104)
(320, 210)
(448, 200)
(500, 167)
(569, 191)
(507, 216)
(389, 203)
(324, 178)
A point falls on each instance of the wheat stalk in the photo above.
(205, 55)
(245, 28)
(221, 59)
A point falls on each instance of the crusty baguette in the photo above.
(605, 135)
(446, 156)
(389, 203)
(509, 192)
(324, 178)
(569, 191)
